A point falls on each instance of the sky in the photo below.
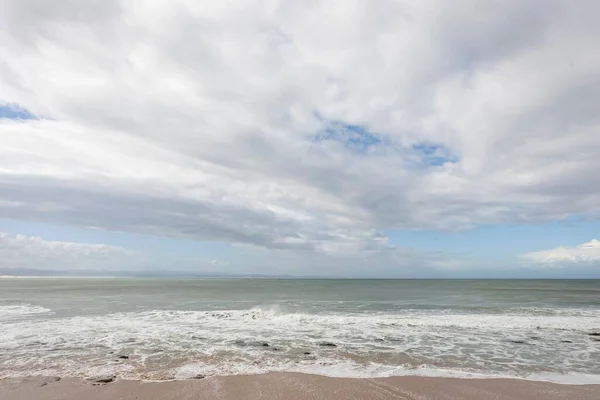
(339, 138)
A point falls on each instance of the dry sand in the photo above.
(286, 386)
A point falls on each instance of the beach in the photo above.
(295, 386)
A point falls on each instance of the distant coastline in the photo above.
(187, 275)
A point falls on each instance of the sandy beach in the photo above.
(294, 386)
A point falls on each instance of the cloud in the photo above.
(28, 252)
(26, 255)
(400, 262)
(302, 126)
(584, 253)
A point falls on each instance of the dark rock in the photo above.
(327, 344)
(566, 341)
(379, 340)
(258, 344)
(103, 379)
(275, 348)
(518, 341)
(123, 357)
(111, 352)
(199, 376)
(307, 353)
(594, 334)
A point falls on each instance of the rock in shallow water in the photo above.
(259, 344)
(327, 344)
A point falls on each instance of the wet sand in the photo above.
(286, 386)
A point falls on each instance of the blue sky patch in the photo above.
(352, 136)
(14, 111)
(431, 154)
(360, 139)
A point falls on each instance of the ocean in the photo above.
(158, 329)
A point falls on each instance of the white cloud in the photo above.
(22, 254)
(195, 118)
(28, 252)
(584, 253)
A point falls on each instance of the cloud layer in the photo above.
(27, 252)
(584, 253)
(311, 126)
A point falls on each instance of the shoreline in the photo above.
(567, 379)
(189, 371)
(289, 385)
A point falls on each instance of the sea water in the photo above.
(178, 328)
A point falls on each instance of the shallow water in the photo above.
(179, 328)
